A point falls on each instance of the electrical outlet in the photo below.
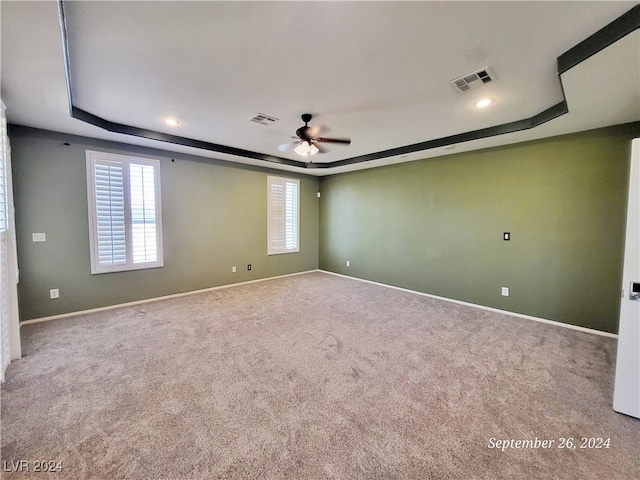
(54, 293)
(506, 236)
(348, 263)
(38, 237)
(233, 269)
(505, 291)
(249, 267)
(318, 194)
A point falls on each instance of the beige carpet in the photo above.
(311, 377)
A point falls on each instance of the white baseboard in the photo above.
(155, 299)
(482, 307)
(230, 285)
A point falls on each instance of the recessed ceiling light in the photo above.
(171, 121)
(485, 102)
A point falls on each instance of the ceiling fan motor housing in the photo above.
(302, 133)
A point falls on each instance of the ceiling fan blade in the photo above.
(316, 130)
(343, 141)
(287, 146)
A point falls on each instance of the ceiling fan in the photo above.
(307, 143)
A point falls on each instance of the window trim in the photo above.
(271, 179)
(126, 160)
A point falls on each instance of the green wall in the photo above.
(431, 225)
(436, 226)
(214, 216)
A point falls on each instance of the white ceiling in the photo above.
(376, 72)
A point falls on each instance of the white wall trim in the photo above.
(155, 299)
(482, 307)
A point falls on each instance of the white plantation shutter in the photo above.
(110, 218)
(291, 216)
(9, 321)
(5, 351)
(283, 212)
(5, 356)
(4, 175)
(143, 213)
(124, 212)
(276, 216)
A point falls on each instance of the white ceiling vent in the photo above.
(263, 119)
(473, 80)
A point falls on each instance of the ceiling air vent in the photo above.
(473, 80)
(263, 119)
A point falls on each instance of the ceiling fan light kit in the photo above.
(306, 148)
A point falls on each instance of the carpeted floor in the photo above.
(310, 377)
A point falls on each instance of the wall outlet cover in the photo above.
(505, 291)
(249, 267)
(39, 237)
(54, 293)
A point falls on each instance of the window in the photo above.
(283, 223)
(125, 221)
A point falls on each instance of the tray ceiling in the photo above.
(377, 72)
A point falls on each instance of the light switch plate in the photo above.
(505, 291)
(38, 237)
(54, 293)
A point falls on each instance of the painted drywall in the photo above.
(437, 225)
(214, 216)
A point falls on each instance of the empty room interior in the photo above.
(309, 240)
